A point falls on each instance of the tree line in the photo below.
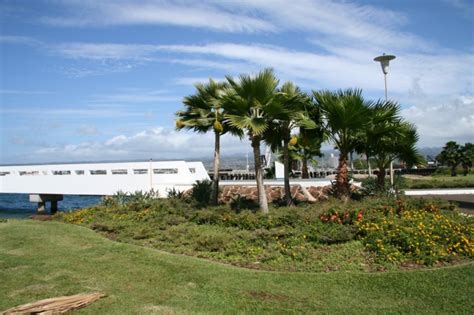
(454, 155)
(290, 120)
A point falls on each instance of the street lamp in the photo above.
(384, 62)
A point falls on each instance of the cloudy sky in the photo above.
(101, 80)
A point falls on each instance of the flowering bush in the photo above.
(342, 217)
(424, 236)
(82, 216)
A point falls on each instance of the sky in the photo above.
(101, 80)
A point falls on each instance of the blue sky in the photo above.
(101, 80)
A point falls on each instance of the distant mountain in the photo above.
(430, 151)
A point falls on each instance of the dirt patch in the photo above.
(161, 309)
(42, 217)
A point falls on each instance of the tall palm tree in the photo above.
(203, 112)
(292, 114)
(250, 107)
(344, 114)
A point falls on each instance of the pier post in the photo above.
(54, 206)
(41, 199)
(41, 207)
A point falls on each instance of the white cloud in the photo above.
(22, 40)
(105, 51)
(25, 92)
(465, 6)
(88, 130)
(157, 143)
(134, 96)
(190, 80)
(435, 73)
(178, 13)
(441, 121)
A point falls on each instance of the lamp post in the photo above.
(384, 62)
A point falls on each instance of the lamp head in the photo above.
(384, 61)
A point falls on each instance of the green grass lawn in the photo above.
(47, 259)
(439, 181)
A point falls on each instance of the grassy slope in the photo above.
(47, 259)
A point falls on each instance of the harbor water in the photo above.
(18, 206)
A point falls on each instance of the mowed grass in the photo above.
(440, 181)
(47, 259)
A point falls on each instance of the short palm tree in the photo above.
(400, 143)
(344, 115)
(382, 122)
(467, 157)
(203, 112)
(292, 114)
(450, 156)
(250, 107)
(307, 147)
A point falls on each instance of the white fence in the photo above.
(101, 178)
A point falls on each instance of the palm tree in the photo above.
(292, 114)
(306, 148)
(250, 107)
(382, 120)
(344, 115)
(467, 157)
(203, 113)
(450, 156)
(400, 144)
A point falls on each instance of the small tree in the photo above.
(344, 115)
(291, 114)
(450, 156)
(387, 137)
(307, 147)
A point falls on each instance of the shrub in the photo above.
(138, 199)
(201, 192)
(239, 203)
(333, 233)
(212, 240)
(82, 216)
(424, 236)
(175, 194)
(370, 188)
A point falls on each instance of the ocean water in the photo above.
(18, 206)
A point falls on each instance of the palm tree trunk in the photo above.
(453, 171)
(304, 168)
(342, 178)
(262, 196)
(368, 165)
(381, 178)
(352, 164)
(286, 170)
(217, 162)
